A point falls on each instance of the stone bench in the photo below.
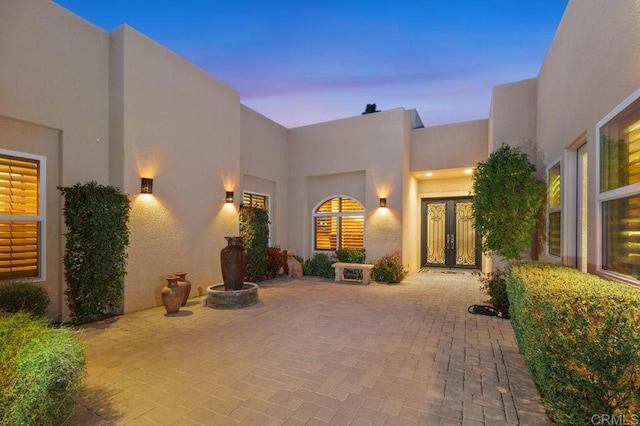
(364, 267)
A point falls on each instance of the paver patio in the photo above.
(313, 352)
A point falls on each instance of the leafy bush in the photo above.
(506, 202)
(276, 260)
(95, 258)
(41, 370)
(299, 259)
(351, 255)
(319, 266)
(254, 229)
(24, 296)
(579, 336)
(495, 285)
(389, 269)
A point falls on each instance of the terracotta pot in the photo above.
(185, 284)
(233, 260)
(172, 295)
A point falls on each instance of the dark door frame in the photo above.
(450, 235)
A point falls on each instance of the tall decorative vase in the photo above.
(172, 295)
(185, 284)
(233, 260)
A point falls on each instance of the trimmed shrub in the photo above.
(495, 285)
(389, 269)
(579, 336)
(41, 370)
(319, 266)
(26, 297)
(351, 255)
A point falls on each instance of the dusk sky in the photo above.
(302, 62)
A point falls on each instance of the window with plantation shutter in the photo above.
(256, 200)
(21, 215)
(619, 160)
(554, 209)
(338, 223)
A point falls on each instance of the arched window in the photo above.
(338, 223)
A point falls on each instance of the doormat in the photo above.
(469, 272)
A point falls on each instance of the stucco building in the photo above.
(78, 103)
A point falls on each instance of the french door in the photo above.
(448, 236)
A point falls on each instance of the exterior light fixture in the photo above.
(229, 197)
(383, 202)
(146, 186)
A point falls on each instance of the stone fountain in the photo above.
(234, 292)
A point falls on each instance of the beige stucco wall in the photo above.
(54, 70)
(38, 140)
(512, 117)
(592, 65)
(411, 202)
(371, 145)
(449, 146)
(181, 127)
(446, 188)
(264, 164)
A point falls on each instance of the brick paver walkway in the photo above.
(313, 352)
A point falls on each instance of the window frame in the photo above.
(338, 215)
(612, 194)
(267, 198)
(554, 209)
(40, 218)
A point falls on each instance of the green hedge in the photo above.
(95, 257)
(26, 297)
(319, 266)
(41, 370)
(580, 337)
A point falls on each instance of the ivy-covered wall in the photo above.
(96, 217)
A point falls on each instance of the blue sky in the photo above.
(302, 62)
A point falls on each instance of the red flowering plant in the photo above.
(276, 260)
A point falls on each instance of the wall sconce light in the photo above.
(229, 197)
(383, 202)
(146, 186)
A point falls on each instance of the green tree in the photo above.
(506, 201)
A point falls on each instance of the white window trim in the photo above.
(558, 209)
(363, 213)
(42, 209)
(601, 197)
